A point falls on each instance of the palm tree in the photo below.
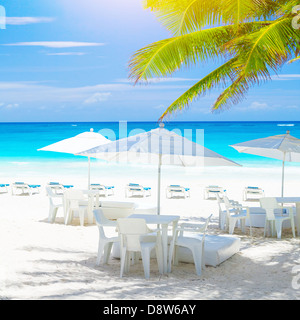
(249, 39)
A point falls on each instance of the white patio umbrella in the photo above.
(79, 143)
(159, 147)
(283, 147)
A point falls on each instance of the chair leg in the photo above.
(159, 258)
(293, 226)
(146, 262)
(100, 252)
(123, 261)
(197, 255)
(81, 217)
(278, 227)
(107, 251)
(232, 223)
(69, 216)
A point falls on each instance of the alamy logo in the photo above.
(2, 18)
(296, 19)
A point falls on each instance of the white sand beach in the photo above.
(40, 260)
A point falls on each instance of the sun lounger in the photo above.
(104, 190)
(58, 188)
(25, 188)
(253, 193)
(173, 191)
(211, 191)
(4, 187)
(134, 189)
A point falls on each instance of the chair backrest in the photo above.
(269, 204)
(220, 201)
(227, 203)
(101, 220)
(50, 192)
(200, 229)
(73, 197)
(130, 231)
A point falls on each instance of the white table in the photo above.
(296, 201)
(164, 221)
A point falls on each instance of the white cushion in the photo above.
(217, 249)
(145, 209)
(117, 204)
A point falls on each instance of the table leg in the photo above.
(298, 218)
(164, 239)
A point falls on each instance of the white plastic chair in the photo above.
(223, 212)
(275, 221)
(236, 212)
(75, 202)
(193, 242)
(105, 243)
(53, 204)
(136, 237)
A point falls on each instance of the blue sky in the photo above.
(66, 60)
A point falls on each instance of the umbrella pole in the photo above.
(158, 187)
(282, 182)
(89, 174)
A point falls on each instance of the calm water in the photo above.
(19, 141)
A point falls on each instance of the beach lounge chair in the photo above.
(134, 189)
(136, 237)
(275, 221)
(210, 192)
(236, 212)
(253, 193)
(105, 243)
(25, 188)
(59, 188)
(173, 191)
(4, 187)
(104, 190)
(55, 202)
(193, 242)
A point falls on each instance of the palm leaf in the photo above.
(216, 78)
(258, 54)
(164, 57)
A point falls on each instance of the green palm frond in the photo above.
(167, 56)
(184, 16)
(255, 37)
(258, 53)
(216, 78)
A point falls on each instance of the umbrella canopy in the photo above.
(77, 144)
(283, 147)
(160, 147)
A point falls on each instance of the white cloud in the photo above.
(97, 97)
(67, 54)
(12, 106)
(259, 106)
(159, 80)
(27, 20)
(56, 44)
(286, 77)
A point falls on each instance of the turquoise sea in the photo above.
(19, 141)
